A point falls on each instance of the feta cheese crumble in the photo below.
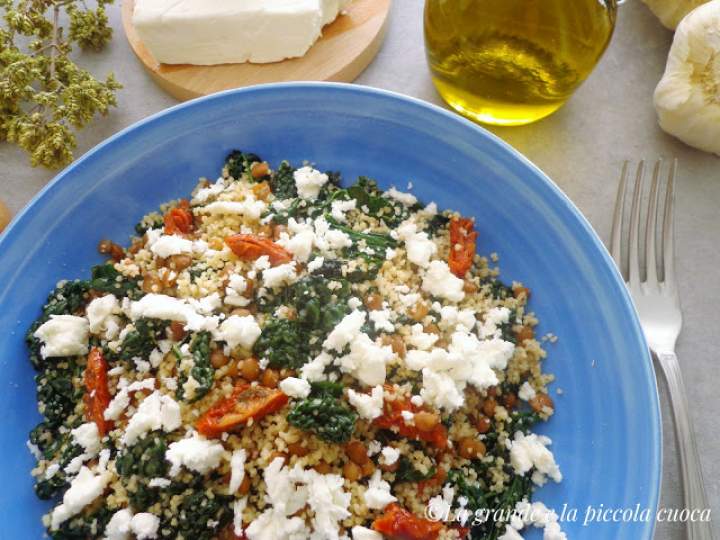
(168, 245)
(309, 181)
(295, 388)
(441, 282)
(377, 495)
(84, 489)
(63, 335)
(368, 406)
(195, 453)
(239, 330)
(530, 451)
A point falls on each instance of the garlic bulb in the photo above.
(687, 99)
(671, 12)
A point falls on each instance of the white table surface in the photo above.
(581, 148)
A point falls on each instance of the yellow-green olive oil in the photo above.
(512, 62)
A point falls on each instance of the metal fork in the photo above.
(658, 305)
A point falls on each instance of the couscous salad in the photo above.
(279, 356)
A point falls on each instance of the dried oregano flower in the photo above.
(44, 95)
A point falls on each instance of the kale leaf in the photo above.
(371, 201)
(282, 182)
(83, 526)
(372, 241)
(145, 225)
(296, 209)
(327, 389)
(144, 460)
(56, 391)
(478, 498)
(62, 451)
(436, 223)
(202, 370)
(106, 279)
(506, 329)
(238, 162)
(319, 308)
(67, 299)
(141, 341)
(283, 343)
(497, 288)
(199, 516)
(407, 473)
(370, 247)
(324, 414)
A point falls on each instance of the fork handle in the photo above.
(692, 481)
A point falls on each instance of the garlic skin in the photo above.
(687, 99)
(671, 12)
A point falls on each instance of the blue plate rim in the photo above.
(6, 237)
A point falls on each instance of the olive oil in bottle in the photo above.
(512, 62)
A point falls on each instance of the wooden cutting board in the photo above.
(346, 47)
(5, 216)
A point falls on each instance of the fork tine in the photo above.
(651, 227)
(634, 249)
(669, 229)
(616, 235)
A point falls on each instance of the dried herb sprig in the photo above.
(44, 96)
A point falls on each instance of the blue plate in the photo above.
(606, 432)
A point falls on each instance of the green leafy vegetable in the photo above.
(138, 464)
(106, 279)
(141, 341)
(369, 247)
(67, 299)
(57, 393)
(479, 498)
(506, 329)
(373, 241)
(62, 451)
(199, 516)
(202, 370)
(436, 223)
(282, 182)
(324, 414)
(145, 458)
(327, 389)
(371, 201)
(319, 308)
(239, 163)
(84, 525)
(156, 222)
(497, 288)
(283, 343)
(407, 473)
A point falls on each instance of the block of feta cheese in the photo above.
(208, 32)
